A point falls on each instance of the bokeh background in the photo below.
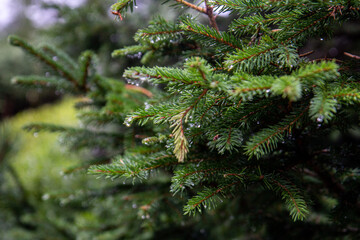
(42, 184)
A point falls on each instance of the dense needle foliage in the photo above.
(242, 119)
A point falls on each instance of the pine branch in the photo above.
(159, 29)
(248, 58)
(305, 28)
(138, 166)
(191, 175)
(130, 50)
(159, 114)
(180, 141)
(247, 86)
(226, 140)
(15, 41)
(294, 201)
(323, 106)
(206, 198)
(44, 82)
(159, 75)
(121, 6)
(256, 23)
(84, 63)
(265, 141)
(61, 55)
(210, 37)
(181, 144)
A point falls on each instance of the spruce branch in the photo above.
(84, 63)
(323, 106)
(206, 198)
(130, 166)
(42, 56)
(209, 36)
(246, 59)
(294, 201)
(61, 55)
(180, 141)
(159, 29)
(121, 6)
(303, 29)
(44, 82)
(159, 75)
(135, 49)
(241, 94)
(265, 141)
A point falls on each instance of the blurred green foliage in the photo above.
(38, 200)
(88, 27)
(44, 191)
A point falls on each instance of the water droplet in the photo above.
(128, 121)
(45, 197)
(147, 105)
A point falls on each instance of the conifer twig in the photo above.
(352, 55)
(210, 13)
(306, 54)
(139, 89)
(117, 13)
(193, 6)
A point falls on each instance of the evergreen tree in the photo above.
(242, 129)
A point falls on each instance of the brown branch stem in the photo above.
(193, 6)
(352, 55)
(212, 17)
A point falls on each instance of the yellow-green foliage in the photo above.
(40, 158)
